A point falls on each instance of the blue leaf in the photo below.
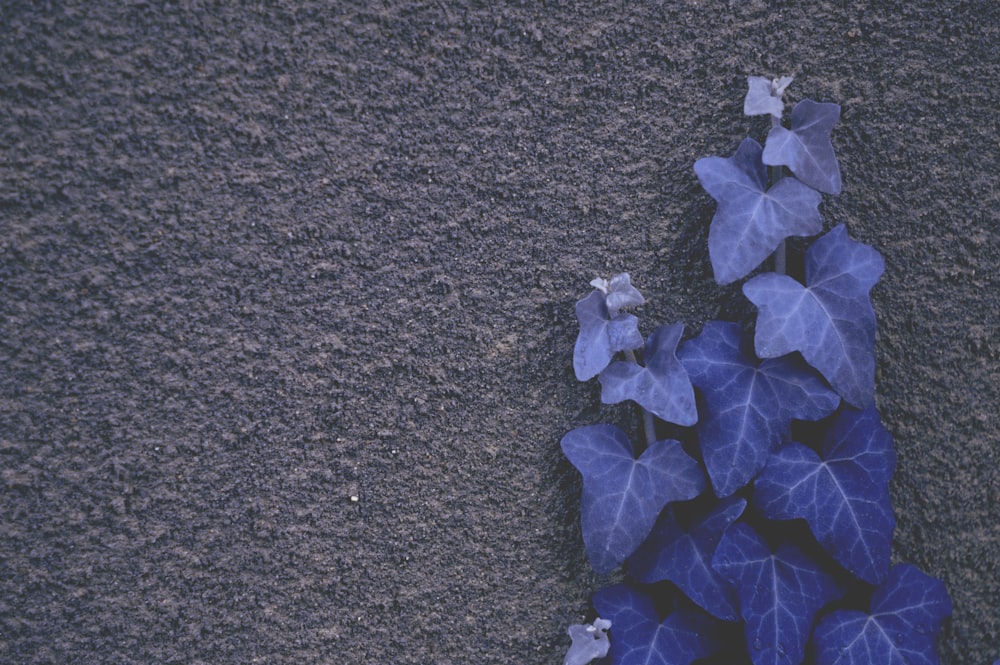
(748, 405)
(638, 637)
(751, 220)
(601, 336)
(622, 495)
(843, 495)
(588, 642)
(830, 320)
(685, 557)
(764, 96)
(906, 614)
(618, 292)
(661, 387)
(780, 594)
(806, 148)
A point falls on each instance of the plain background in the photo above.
(287, 288)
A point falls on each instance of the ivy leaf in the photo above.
(640, 638)
(830, 320)
(752, 220)
(906, 614)
(843, 495)
(806, 148)
(601, 336)
(618, 292)
(780, 593)
(685, 557)
(661, 387)
(764, 96)
(622, 495)
(588, 642)
(748, 404)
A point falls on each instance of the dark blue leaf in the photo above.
(806, 148)
(748, 404)
(752, 220)
(685, 557)
(638, 637)
(780, 593)
(601, 336)
(830, 320)
(906, 614)
(764, 96)
(843, 494)
(622, 495)
(661, 387)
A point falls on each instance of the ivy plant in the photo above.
(762, 531)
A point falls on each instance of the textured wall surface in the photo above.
(286, 303)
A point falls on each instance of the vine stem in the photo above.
(647, 418)
(774, 174)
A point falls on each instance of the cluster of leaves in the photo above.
(762, 533)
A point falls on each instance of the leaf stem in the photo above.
(648, 426)
(779, 259)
